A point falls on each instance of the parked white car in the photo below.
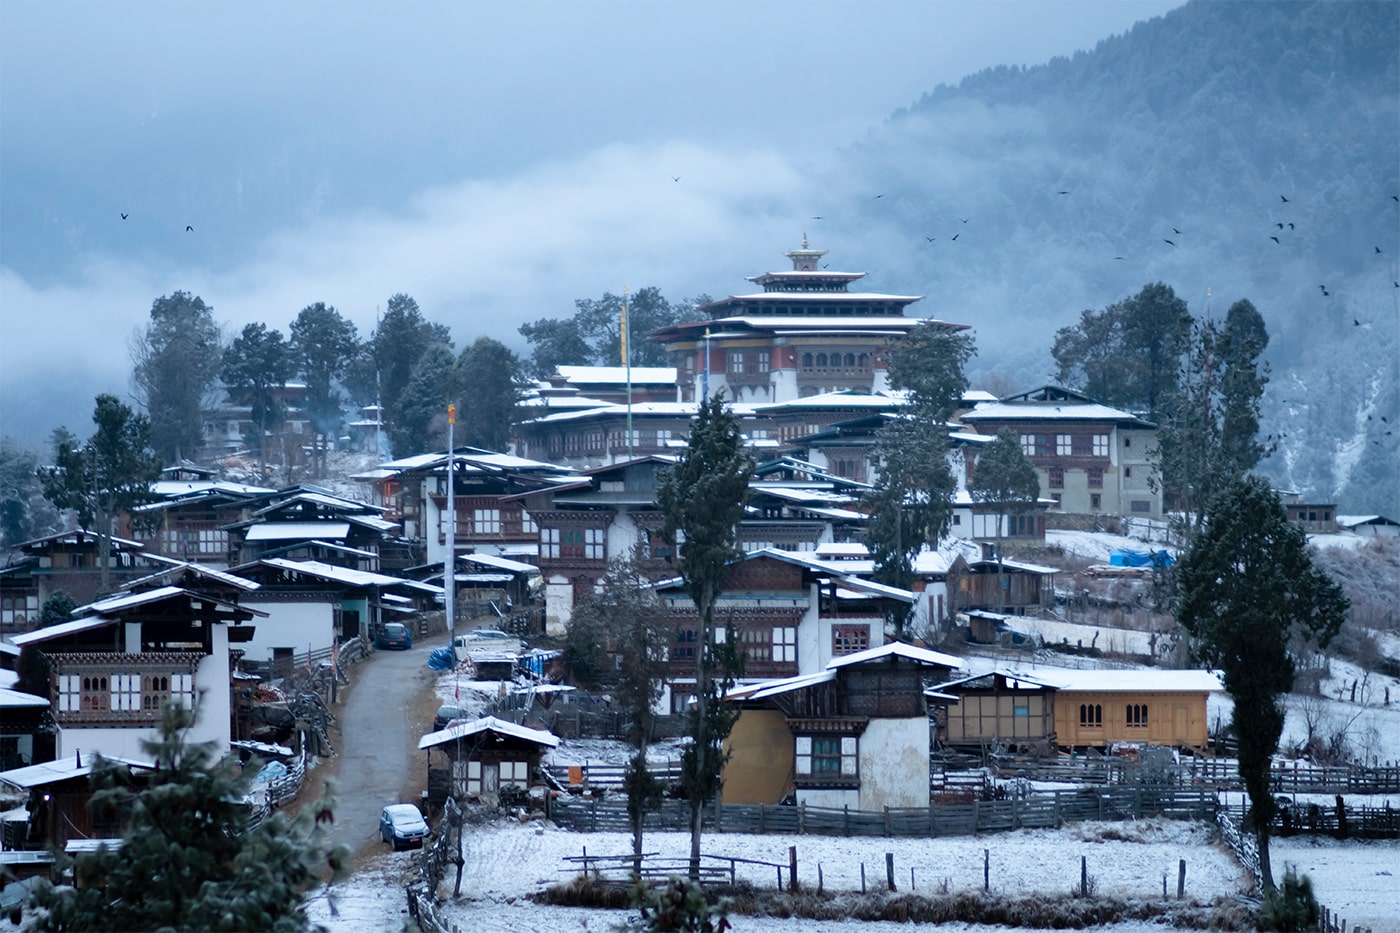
(487, 640)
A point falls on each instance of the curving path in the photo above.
(380, 718)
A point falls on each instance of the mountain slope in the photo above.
(1230, 150)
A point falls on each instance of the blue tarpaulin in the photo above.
(1128, 558)
(442, 659)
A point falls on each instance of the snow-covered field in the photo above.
(507, 861)
(1357, 879)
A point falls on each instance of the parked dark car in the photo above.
(394, 635)
(446, 714)
(402, 824)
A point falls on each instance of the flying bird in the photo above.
(1378, 250)
(123, 217)
(826, 265)
(1280, 226)
(1355, 322)
(1283, 199)
(1120, 257)
(1274, 238)
(816, 218)
(878, 197)
(1168, 242)
(675, 178)
(189, 229)
(1062, 192)
(930, 238)
(956, 235)
(964, 219)
(1395, 197)
(1290, 226)
(1176, 231)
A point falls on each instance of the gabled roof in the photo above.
(343, 575)
(771, 688)
(900, 650)
(64, 769)
(181, 566)
(501, 563)
(1014, 680)
(1355, 521)
(1050, 412)
(18, 699)
(63, 628)
(78, 535)
(464, 730)
(297, 531)
(1136, 680)
(618, 375)
(123, 601)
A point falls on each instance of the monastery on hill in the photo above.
(805, 334)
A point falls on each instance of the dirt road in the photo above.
(388, 706)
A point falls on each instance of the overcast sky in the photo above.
(494, 160)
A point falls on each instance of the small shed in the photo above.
(1158, 707)
(997, 708)
(59, 792)
(482, 758)
(1370, 526)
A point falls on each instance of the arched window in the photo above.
(821, 361)
(806, 361)
(850, 359)
(864, 359)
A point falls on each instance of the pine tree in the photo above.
(189, 859)
(1247, 591)
(176, 366)
(702, 499)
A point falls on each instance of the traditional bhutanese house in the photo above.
(856, 734)
(188, 517)
(67, 561)
(121, 659)
(996, 708)
(478, 759)
(59, 792)
(311, 605)
(1159, 707)
(307, 515)
(21, 715)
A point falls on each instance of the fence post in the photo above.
(821, 882)
(986, 869)
(1181, 879)
(792, 868)
(1083, 876)
(889, 869)
(862, 877)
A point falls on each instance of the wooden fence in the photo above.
(1326, 820)
(979, 816)
(1213, 772)
(609, 776)
(651, 868)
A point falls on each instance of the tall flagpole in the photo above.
(627, 362)
(705, 381)
(449, 566)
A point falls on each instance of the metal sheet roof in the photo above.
(297, 531)
(464, 730)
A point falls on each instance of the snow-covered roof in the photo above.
(1014, 681)
(769, 688)
(170, 488)
(346, 575)
(837, 550)
(297, 531)
(320, 498)
(127, 600)
(1047, 411)
(18, 699)
(860, 400)
(65, 768)
(462, 730)
(1138, 680)
(901, 650)
(501, 563)
(1020, 565)
(1353, 521)
(618, 374)
(197, 569)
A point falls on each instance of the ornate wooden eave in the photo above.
(837, 725)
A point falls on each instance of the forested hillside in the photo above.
(1229, 150)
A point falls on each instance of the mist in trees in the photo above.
(323, 344)
(175, 361)
(593, 336)
(256, 367)
(24, 512)
(110, 473)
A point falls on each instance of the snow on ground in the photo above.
(1357, 879)
(1094, 545)
(1111, 640)
(1343, 540)
(507, 861)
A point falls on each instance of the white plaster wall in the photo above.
(809, 651)
(621, 534)
(835, 799)
(558, 606)
(113, 743)
(300, 625)
(824, 655)
(894, 763)
(783, 383)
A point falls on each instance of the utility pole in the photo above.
(449, 568)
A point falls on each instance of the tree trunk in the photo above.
(1265, 868)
